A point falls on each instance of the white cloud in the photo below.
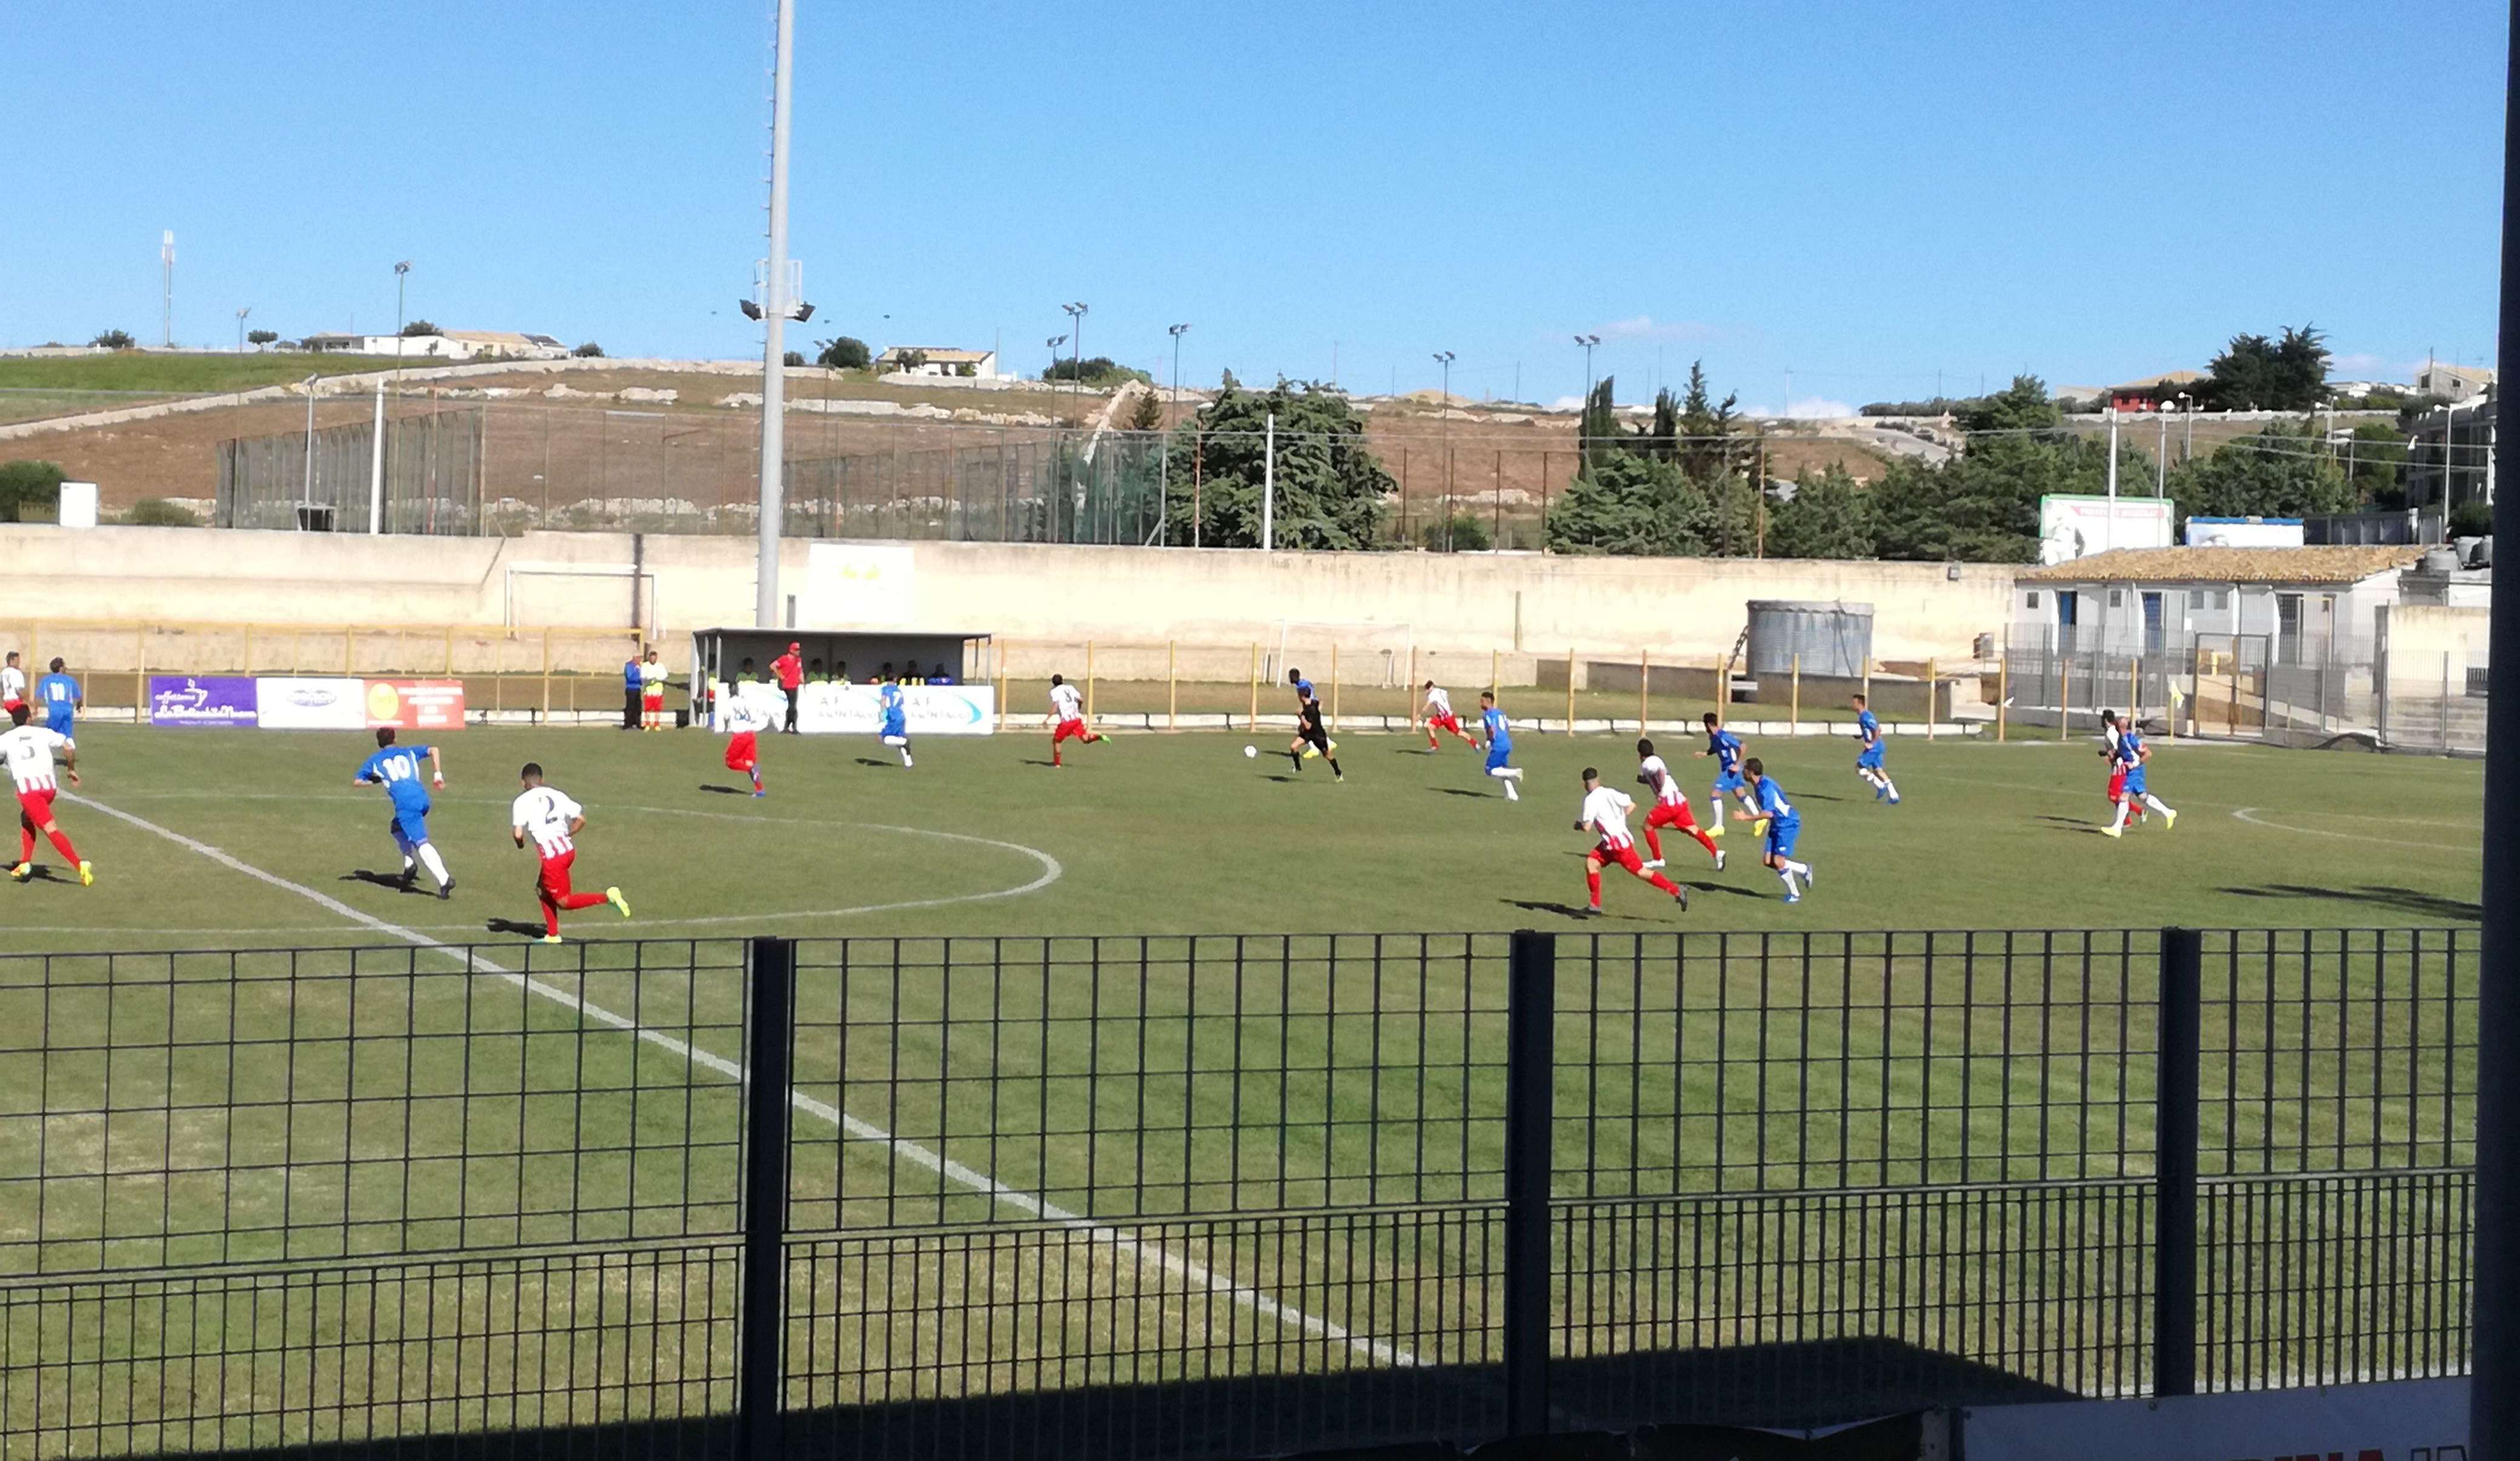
(1805, 408)
(2362, 364)
(1567, 403)
(1646, 328)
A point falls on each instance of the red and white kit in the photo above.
(28, 751)
(1671, 809)
(1608, 810)
(746, 720)
(1439, 712)
(545, 813)
(1066, 714)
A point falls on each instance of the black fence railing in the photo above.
(1185, 1196)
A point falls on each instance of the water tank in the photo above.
(1833, 638)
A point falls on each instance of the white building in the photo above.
(936, 360)
(2452, 383)
(2306, 604)
(440, 348)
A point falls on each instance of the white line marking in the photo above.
(864, 1131)
(2246, 814)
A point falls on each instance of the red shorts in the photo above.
(743, 751)
(1067, 730)
(653, 698)
(1621, 856)
(1452, 722)
(1670, 814)
(37, 805)
(552, 880)
(2117, 786)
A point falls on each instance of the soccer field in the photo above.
(1182, 834)
(1223, 1111)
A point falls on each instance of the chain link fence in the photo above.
(332, 479)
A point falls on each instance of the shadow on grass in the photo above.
(2405, 899)
(517, 926)
(397, 881)
(45, 873)
(877, 764)
(2072, 825)
(1729, 889)
(1569, 911)
(1465, 791)
(712, 787)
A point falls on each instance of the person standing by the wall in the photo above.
(790, 668)
(631, 687)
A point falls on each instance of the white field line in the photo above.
(1187, 1269)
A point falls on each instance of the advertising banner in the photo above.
(2072, 526)
(853, 710)
(212, 700)
(289, 703)
(416, 704)
(2390, 1419)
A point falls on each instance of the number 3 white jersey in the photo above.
(29, 750)
(1608, 810)
(544, 814)
(1065, 703)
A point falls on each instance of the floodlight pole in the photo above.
(774, 337)
(1163, 445)
(2111, 539)
(2493, 1394)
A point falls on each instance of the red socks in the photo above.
(61, 845)
(26, 845)
(1653, 845)
(1703, 840)
(1663, 883)
(1592, 884)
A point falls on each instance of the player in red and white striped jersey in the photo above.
(553, 820)
(1670, 808)
(28, 751)
(1067, 718)
(1606, 813)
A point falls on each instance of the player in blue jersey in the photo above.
(59, 694)
(397, 768)
(2129, 754)
(1867, 762)
(893, 705)
(1499, 736)
(1726, 748)
(1784, 828)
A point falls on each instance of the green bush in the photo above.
(1464, 534)
(158, 512)
(29, 484)
(2471, 519)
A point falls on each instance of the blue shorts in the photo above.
(1781, 836)
(1871, 759)
(411, 823)
(59, 725)
(1728, 781)
(1500, 752)
(2134, 781)
(896, 729)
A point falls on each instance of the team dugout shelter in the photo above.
(718, 655)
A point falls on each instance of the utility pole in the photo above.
(241, 314)
(1444, 358)
(775, 306)
(2112, 539)
(2161, 458)
(167, 263)
(1076, 325)
(1164, 488)
(1588, 341)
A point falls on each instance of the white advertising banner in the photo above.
(853, 710)
(2392, 1420)
(288, 703)
(847, 584)
(2072, 526)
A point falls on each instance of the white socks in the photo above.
(2155, 804)
(435, 864)
(1787, 873)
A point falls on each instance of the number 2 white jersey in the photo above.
(29, 750)
(1667, 792)
(1608, 810)
(545, 813)
(1065, 703)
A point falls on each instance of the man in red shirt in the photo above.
(790, 670)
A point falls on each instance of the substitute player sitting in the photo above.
(1606, 813)
(29, 750)
(1440, 717)
(1670, 807)
(397, 769)
(744, 719)
(1066, 719)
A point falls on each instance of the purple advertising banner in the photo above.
(204, 700)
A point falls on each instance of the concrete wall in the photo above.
(2427, 640)
(1048, 600)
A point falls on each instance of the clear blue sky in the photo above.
(2090, 192)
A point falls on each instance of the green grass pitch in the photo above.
(1182, 834)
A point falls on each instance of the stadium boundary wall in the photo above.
(1523, 604)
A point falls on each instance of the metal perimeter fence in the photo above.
(503, 467)
(2272, 687)
(1215, 1196)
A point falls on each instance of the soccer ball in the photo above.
(1250, 752)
